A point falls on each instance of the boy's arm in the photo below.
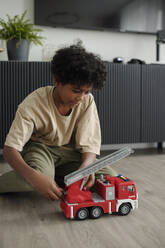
(88, 131)
(40, 182)
(87, 159)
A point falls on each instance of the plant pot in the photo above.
(18, 51)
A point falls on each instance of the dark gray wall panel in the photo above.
(17, 80)
(119, 104)
(131, 106)
(153, 103)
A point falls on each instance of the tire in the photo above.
(82, 214)
(124, 209)
(96, 212)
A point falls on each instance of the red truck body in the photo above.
(112, 195)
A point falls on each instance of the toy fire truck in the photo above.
(112, 194)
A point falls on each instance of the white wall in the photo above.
(107, 44)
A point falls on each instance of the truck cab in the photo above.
(119, 190)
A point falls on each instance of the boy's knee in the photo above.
(39, 158)
(43, 168)
(106, 171)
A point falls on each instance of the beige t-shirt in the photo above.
(38, 119)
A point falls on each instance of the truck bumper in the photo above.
(67, 209)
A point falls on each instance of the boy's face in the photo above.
(72, 95)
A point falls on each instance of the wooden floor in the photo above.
(30, 221)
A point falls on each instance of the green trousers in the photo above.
(56, 162)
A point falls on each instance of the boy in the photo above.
(56, 128)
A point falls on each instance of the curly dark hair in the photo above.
(75, 65)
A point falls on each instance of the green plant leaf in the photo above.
(20, 28)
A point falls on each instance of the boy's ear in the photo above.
(56, 82)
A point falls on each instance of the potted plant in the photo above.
(19, 33)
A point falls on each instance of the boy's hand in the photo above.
(46, 186)
(88, 182)
(87, 159)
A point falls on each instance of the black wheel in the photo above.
(82, 214)
(96, 212)
(124, 209)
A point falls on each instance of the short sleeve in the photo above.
(88, 134)
(20, 130)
